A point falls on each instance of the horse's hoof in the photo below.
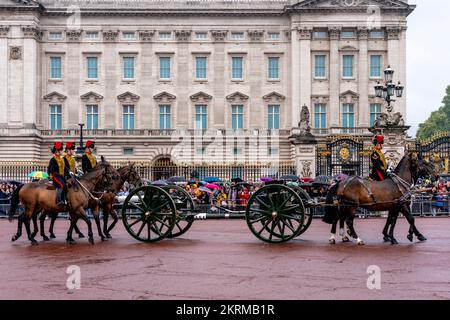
(91, 240)
(71, 241)
(421, 237)
(34, 242)
(361, 242)
(345, 239)
(52, 236)
(394, 241)
(15, 237)
(108, 235)
(386, 238)
(104, 239)
(332, 241)
(81, 236)
(45, 238)
(410, 237)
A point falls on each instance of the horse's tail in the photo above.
(331, 212)
(14, 202)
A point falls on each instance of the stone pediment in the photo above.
(311, 5)
(127, 97)
(164, 97)
(201, 97)
(349, 96)
(55, 96)
(91, 96)
(274, 97)
(237, 97)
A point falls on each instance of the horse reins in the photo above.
(85, 189)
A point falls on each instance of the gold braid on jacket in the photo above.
(382, 158)
(92, 159)
(61, 164)
(71, 162)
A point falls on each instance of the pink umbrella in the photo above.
(212, 186)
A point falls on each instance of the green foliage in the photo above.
(438, 121)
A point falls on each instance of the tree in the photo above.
(438, 121)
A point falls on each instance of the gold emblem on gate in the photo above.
(344, 153)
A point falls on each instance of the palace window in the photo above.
(201, 35)
(128, 117)
(165, 35)
(164, 67)
(92, 117)
(164, 116)
(92, 67)
(273, 35)
(55, 117)
(55, 35)
(201, 117)
(273, 116)
(128, 151)
(320, 34)
(237, 117)
(237, 36)
(128, 35)
(347, 66)
(128, 67)
(320, 66)
(375, 111)
(237, 64)
(92, 35)
(55, 68)
(320, 116)
(348, 34)
(348, 115)
(200, 67)
(273, 68)
(376, 34)
(375, 66)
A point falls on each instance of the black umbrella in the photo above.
(289, 177)
(321, 180)
(176, 179)
(159, 183)
(237, 180)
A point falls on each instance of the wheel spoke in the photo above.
(288, 209)
(162, 222)
(142, 201)
(281, 230)
(274, 223)
(133, 223)
(141, 228)
(292, 217)
(260, 211)
(156, 229)
(259, 200)
(291, 227)
(264, 227)
(136, 206)
(281, 206)
(258, 220)
(160, 206)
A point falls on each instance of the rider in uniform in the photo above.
(377, 160)
(57, 171)
(88, 161)
(69, 160)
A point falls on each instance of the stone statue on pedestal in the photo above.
(305, 128)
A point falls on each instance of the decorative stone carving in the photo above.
(393, 158)
(219, 35)
(389, 120)
(164, 97)
(128, 97)
(363, 33)
(91, 96)
(350, 3)
(15, 53)
(349, 97)
(334, 32)
(146, 35)
(274, 97)
(182, 35)
(4, 31)
(393, 32)
(255, 35)
(201, 97)
(237, 97)
(110, 35)
(304, 33)
(55, 96)
(73, 35)
(288, 34)
(306, 168)
(305, 128)
(320, 99)
(32, 32)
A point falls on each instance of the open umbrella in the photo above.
(212, 179)
(38, 175)
(160, 183)
(321, 180)
(339, 177)
(212, 186)
(237, 180)
(176, 179)
(205, 190)
(266, 179)
(289, 177)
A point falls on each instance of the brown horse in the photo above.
(391, 195)
(126, 173)
(38, 197)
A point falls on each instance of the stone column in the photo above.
(305, 66)
(304, 153)
(335, 75)
(363, 81)
(71, 75)
(295, 72)
(4, 76)
(30, 85)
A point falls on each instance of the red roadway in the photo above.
(223, 260)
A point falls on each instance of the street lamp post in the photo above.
(389, 89)
(80, 147)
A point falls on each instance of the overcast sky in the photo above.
(428, 59)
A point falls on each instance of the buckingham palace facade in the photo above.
(143, 75)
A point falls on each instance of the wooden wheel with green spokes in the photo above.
(309, 212)
(185, 208)
(275, 213)
(149, 214)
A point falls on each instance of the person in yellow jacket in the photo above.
(71, 164)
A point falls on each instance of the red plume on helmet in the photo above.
(58, 146)
(90, 144)
(378, 139)
(70, 145)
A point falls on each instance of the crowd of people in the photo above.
(6, 190)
